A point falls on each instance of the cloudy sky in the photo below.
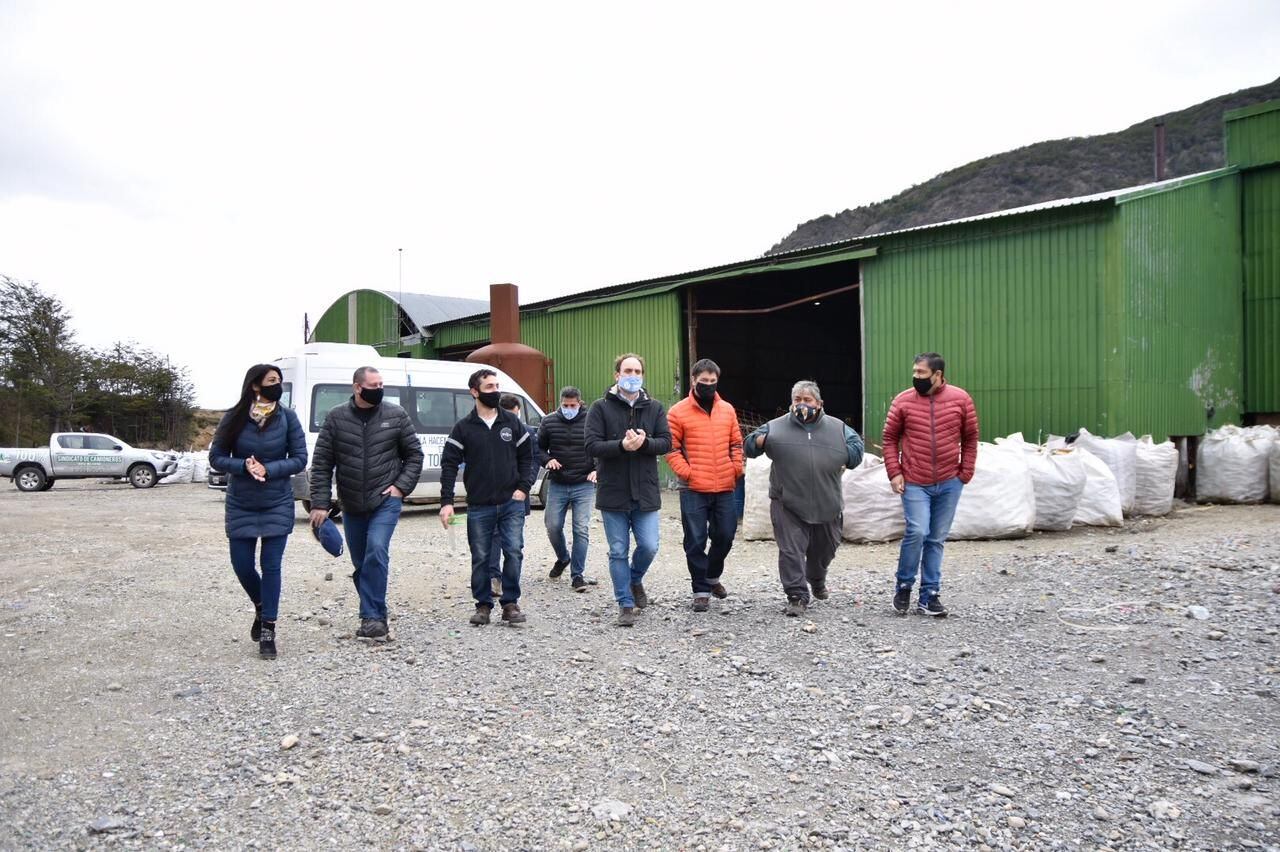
(195, 177)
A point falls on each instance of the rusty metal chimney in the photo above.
(528, 366)
(1159, 150)
(504, 313)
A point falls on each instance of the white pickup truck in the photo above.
(84, 455)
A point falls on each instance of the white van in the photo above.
(317, 379)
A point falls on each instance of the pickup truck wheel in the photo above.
(30, 479)
(142, 476)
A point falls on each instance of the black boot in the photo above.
(267, 641)
(255, 631)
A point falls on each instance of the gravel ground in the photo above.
(1072, 700)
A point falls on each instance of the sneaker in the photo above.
(481, 616)
(819, 591)
(495, 585)
(511, 614)
(902, 600)
(719, 591)
(579, 584)
(626, 616)
(796, 607)
(642, 599)
(558, 569)
(372, 628)
(701, 603)
(267, 641)
(255, 631)
(934, 607)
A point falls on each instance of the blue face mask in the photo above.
(631, 384)
(569, 413)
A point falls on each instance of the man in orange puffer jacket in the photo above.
(930, 450)
(706, 453)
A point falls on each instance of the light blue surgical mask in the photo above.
(631, 384)
(569, 413)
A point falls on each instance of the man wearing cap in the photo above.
(377, 456)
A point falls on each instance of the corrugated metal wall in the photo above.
(332, 325)
(1253, 135)
(1173, 315)
(376, 324)
(1261, 206)
(1012, 304)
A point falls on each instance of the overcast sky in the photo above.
(195, 177)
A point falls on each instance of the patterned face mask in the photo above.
(805, 413)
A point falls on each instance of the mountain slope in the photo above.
(1041, 172)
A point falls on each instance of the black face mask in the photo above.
(922, 386)
(490, 398)
(373, 396)
(271, 393)
(705, 392)
(805, 413)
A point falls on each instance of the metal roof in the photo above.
(835, 251)
(426, 310)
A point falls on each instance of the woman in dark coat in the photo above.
(260, 445)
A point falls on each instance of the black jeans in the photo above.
(707, 516)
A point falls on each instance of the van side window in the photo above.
(434, 409)
(325, 398)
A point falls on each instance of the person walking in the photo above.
(498, 455)
(375, 451)
(571, 485)
(626, 432)
(809, 451)
(930, 451)
(260, 445)
(706, 455)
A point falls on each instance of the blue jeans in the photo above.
(707, 516)
(929, 510)
(369, 543)
(506, 521)
(559, 499)
(495, 550)
(264, 591)
(627, 571)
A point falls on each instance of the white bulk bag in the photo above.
(1231, 465)
(1100, 503)
(872, 509)
(1156, 474)
(182, 474)
(1121, 455)
(1000, 500)
(1059, 479)
(200, 467)
(756, 524)
(1274, 473)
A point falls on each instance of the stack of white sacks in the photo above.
(192, 468)
(1017, 487)
(1239, 465)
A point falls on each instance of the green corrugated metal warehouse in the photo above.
(1151, 309)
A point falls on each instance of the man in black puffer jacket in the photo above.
(378, 457)
(626, 432)
(572, 475)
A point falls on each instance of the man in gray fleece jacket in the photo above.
(809, 451)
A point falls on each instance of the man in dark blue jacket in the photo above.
(499, 473)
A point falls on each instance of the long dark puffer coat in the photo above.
(262, 509)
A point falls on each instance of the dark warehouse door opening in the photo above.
(771, 329)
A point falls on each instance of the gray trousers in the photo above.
(804, 550)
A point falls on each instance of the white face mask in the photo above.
(631, 384)
(569, 413)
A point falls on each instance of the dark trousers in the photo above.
(804, 550)
(712, 517)
(263, 590)
(507, 521)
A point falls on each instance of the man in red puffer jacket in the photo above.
(930, 449)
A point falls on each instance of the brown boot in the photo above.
(511, 614)
(719, 590)
(626, 616)
(819, 589)
(481, 615)
(642, 599)
(796, 607)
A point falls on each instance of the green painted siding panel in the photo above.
(1013, 306)
(1253, 136)
(461, 334)
(1174, 313)
(584, 342)
(332, 325)
(377, 321)
(1261, 225)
